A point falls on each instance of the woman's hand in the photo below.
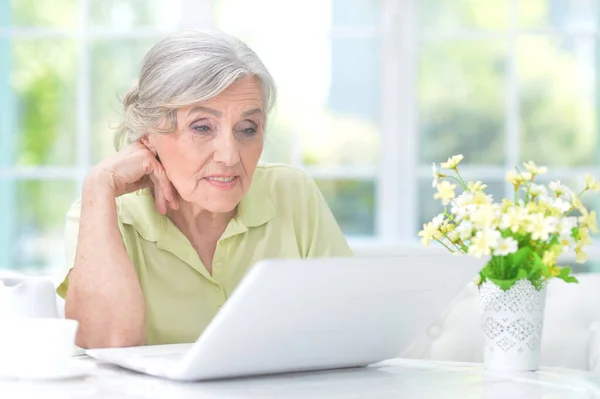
(134, 168)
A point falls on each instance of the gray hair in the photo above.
(184, 68)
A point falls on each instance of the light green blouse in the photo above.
(283, 215)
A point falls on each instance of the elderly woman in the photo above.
(168, 226)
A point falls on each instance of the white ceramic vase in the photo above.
(512, 324)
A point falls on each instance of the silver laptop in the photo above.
(300, 315)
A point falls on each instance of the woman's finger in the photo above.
(162, 182)
(166, 185)
(159, 199)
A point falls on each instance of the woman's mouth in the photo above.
(222, 182)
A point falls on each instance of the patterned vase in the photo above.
(512, 325)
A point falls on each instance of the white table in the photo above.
(397, 378)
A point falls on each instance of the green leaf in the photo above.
(565, 275)
(506, 284)
(520, 257)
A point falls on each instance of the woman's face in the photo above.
(211, 156)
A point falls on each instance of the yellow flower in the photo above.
(591, 183)
(476, 186)
(518, 178)
(584, 237)
(549, 258)
(580, 256)
(436, 176)
(534, 169)
(577, 204)
(506, 205)
(452, 162)
(430, 232)
(588, 219)
(485, 216)
(554, 270)
(445, 192)
(481, 198)
(514, 219)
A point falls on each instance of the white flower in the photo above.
(560, 190)
(537, 190)
(541, 227)
(463, 212)
(565, 227)
(453, 236)
(506, 246)
(484, 242)
(568, 242)
(465, 230)
(560, 204)
(461, 201)
(438, 220)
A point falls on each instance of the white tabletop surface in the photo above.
(395, 378)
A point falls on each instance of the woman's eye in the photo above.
(201, 128)
(249, 131)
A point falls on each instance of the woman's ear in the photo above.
(149, 140)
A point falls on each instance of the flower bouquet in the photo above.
(523, 238)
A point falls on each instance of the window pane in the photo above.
(557, 80)
(352, 203)
(59, 13)
(328, 104)
(37, 227)
(363, 13)
(566, 15)
(243, 16)
(430, 207)
(124, 14)
(462, 101)
(453, 15)
(345, 130)
(43, 80)
(115, 67)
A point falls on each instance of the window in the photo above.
(371, 92)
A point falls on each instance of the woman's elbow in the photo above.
(109, 341)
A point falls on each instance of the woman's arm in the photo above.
(104, 293)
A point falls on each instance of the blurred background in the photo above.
(371, 93)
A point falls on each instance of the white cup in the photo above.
(36, 346)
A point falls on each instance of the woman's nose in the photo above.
(226, 150)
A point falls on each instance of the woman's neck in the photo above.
(198, 223)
